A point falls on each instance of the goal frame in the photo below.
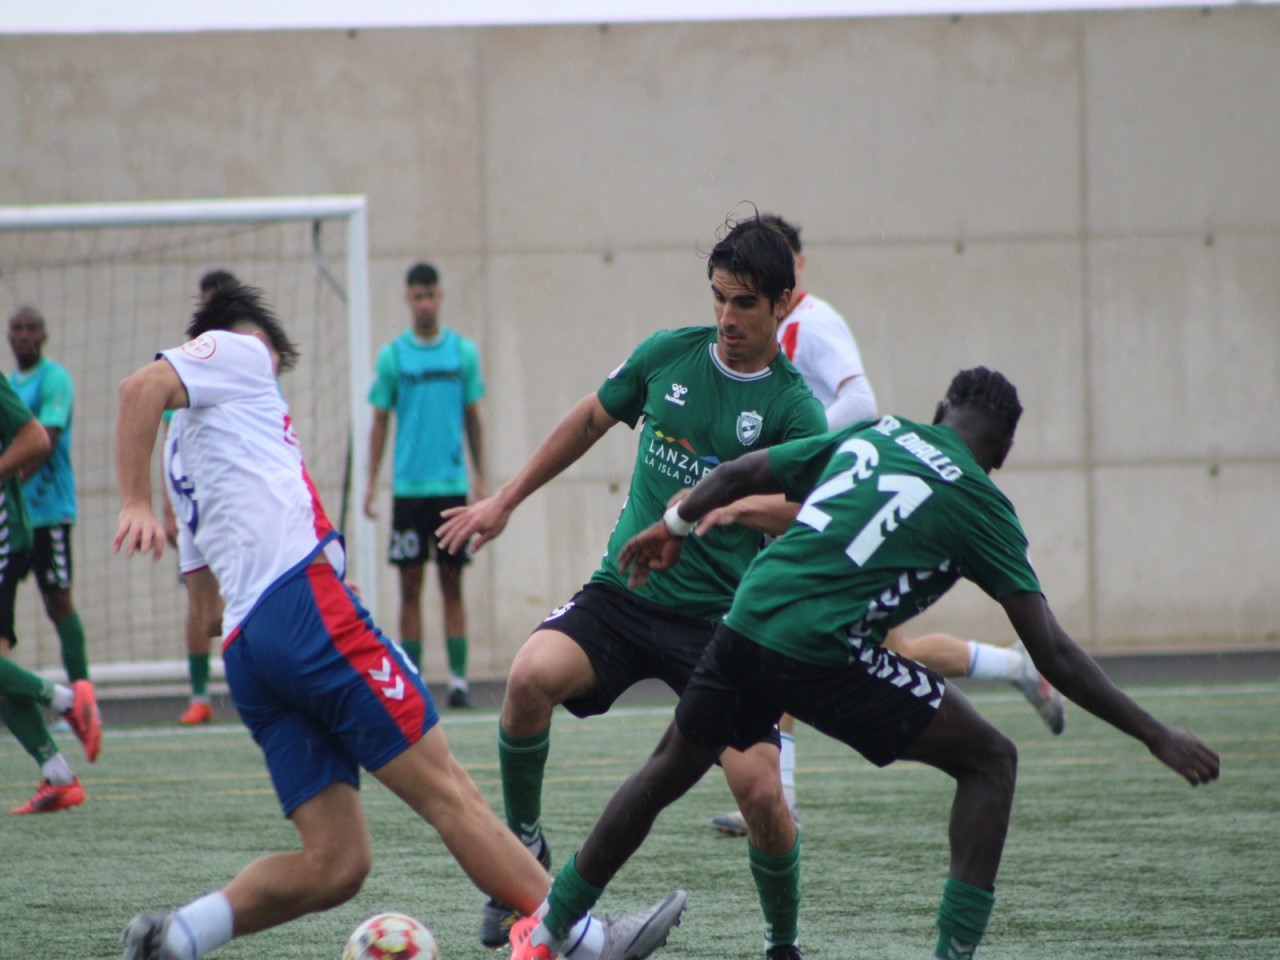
(348, 209)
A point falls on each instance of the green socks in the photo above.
(456, 648)
(570, 899)
(198, 671)
(413, 650)
(778, 885)
(16, 681)
(962, 919)
(521, 761)
(26, 722)
(71, 636)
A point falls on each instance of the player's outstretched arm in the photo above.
(658, 546)
(144, 396)
(474, 525)
(1079, 678)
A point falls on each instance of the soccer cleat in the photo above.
(459, 697)
(85, 720)
(783, 951)
(731, 824)
(735, 824)
(52, 797)
(522, 947)
(1042, 696)
(197, 713)
(497, 919)
(636, 935)
(144, 937)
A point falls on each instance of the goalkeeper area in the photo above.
(116, 283)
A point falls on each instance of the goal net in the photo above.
(117, 282)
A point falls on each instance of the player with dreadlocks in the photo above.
(894, 513)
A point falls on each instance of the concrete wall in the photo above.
(1088, 202)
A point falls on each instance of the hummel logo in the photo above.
(394, 692)
(676, 396)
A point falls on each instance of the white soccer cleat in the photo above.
(636, 935)
(1047, 701)
(144, 937)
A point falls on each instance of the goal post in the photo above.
(117, 282)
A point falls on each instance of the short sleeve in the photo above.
(386, 375)
(220, 366)
(625, 390)
(57, 397)
(14, 414)
(472, 377)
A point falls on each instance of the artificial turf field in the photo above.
(1110, 855)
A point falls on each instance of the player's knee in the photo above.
(344, 877)
(1001, 763)
(527, 696)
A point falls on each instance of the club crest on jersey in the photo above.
(201, 348)
(750, 424)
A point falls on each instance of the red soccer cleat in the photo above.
(196, 714)
(52, 797)
(86, 722)
(522, 947)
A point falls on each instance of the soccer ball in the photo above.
(391, 936)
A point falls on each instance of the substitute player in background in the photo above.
(24, 444)
(429, 376)
(701, 397)
(894, 513)
(50, 488)
(816, 338)
(321, 689)
(204, 604)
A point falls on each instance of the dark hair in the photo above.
(788, 230)
(987, 390)
(218, 280)
(232, 306)
(422, 274)
(756, 253)
(28, 312)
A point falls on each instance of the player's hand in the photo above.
(139, 532)
(370, 504)
(471, 527)
(1186, 754)
(725, 516)
(654, 548)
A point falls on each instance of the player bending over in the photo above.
(316, 682)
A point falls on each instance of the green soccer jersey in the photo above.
(697, 414)
(894, 513)
(15, 528)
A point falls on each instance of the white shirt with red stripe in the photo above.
(237, 474)
(817, 340)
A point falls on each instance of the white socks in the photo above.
(200, 927)
(993, 663)
(57, 771)
(64, 698)
(787, 761)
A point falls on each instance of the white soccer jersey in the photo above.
(236, 474)
(818, 341)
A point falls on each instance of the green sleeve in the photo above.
(798, 464)
(386, 375)
(14, 414)
(624, 392)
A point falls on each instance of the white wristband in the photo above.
(678, 526)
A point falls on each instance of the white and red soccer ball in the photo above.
(391, 936)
